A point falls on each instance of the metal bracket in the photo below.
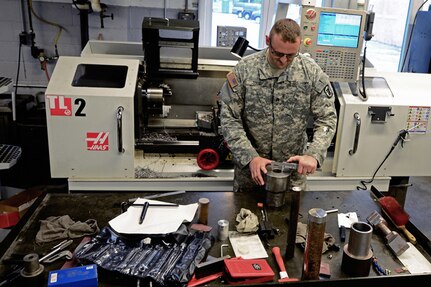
(378, 114)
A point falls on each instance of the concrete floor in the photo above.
(417, 204)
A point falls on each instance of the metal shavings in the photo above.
(145, 173)
(206, 117)
(157, 137)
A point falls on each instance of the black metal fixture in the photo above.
(86, 7)
(240, 47)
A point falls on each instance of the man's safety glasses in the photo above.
(281, 55)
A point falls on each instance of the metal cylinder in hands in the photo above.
(295, 194)
(357, 254)
(276, 185)
(314, 243)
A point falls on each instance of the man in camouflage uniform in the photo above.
(265, 106)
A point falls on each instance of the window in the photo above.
(233, 18)
(100, 76)
(384, 49)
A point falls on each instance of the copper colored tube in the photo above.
(314, 243)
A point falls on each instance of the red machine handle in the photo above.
(208, 159)
(278, 258)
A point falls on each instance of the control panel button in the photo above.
(310, 14)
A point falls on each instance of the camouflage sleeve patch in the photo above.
(328, 91)
(231, 78)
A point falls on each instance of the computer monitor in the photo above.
(334, 37)
(339, 30)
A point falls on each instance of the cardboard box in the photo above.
(20, 202)
(82, 276)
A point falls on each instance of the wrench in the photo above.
(65, 253)
(56, 249)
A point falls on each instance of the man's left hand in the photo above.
(306, 163)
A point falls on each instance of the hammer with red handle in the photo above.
(283, 273)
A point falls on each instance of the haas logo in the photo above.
(97, 141)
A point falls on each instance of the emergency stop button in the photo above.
(307, 42)
(310, 14)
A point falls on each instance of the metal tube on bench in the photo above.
(357, 255)
(314, 243)
(295, 194)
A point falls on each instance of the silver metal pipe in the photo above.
(357, 254)
(276, 185)
(360, 239)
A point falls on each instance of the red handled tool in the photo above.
(397, 215)
(394, 212)
(283, 273)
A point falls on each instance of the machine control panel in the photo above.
(333, 38)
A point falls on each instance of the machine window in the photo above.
(100, 76)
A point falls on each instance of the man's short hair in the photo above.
(288, 29)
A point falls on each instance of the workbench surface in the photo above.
(223, 205)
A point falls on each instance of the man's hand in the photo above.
(306, 163)
(257, 167)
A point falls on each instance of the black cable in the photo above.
(76, 6)
(89, 10)
(401, 137)
(363, 93)
(410, 36)
(257, 50)
(17, 71)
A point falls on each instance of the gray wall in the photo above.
(126, 26)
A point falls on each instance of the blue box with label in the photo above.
(82, 276)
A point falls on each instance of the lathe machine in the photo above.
(117, 123)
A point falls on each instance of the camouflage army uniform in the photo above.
(266, 115)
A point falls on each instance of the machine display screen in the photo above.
(339, 30)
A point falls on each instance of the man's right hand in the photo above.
(257, 167)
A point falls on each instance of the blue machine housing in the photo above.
(419, 57)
